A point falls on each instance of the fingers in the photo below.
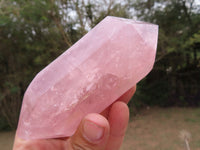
(118, 119)
(126, 97)
(92, 134)
(88, 136)
(94, 131)
(43, 144)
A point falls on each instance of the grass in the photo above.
(152, 129)
(160, 129)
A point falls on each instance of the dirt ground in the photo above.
(151, 129)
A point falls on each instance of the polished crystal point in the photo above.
(88, 77)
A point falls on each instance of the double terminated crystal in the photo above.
(87, 78)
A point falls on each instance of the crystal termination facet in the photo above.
(88, 77)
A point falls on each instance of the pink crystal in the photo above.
(88, 77)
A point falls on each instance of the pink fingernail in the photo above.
(92, 131)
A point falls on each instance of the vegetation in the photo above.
(33, 33)
(175, 77)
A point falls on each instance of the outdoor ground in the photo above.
(151, 129)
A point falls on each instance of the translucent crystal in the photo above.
(88, 77)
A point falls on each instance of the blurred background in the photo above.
(164, 110)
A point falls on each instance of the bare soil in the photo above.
(151, 129)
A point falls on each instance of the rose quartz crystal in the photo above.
(88, 77)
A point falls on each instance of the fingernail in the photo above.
(92, 131)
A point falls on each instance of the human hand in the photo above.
(103, 131)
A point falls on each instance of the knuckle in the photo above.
(80, 146)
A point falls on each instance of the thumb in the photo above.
(92, 134)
